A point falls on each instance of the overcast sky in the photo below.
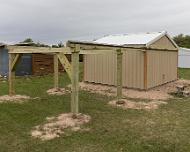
(51, 21)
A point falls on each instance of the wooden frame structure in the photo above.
(74, 48)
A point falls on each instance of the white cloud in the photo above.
(51, 21)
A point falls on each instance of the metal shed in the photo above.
(150, 60)
(3, 60)
(184, 58)
(24, 66)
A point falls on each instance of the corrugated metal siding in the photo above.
(162, 67)
(24, 66)
(133, 69)
(102, 69)
(3, 61)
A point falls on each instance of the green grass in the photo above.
(184, 73)
(111, 129)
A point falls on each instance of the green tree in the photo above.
(182, 40)
(28, 40)
(60, 44)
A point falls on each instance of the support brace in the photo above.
(13, 60)
(66, 64)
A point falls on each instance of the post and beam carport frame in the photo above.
(72, 69)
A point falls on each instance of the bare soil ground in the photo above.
(57, 91)
(56, 126)
(158, 93)
(127, 104)
(14, 99)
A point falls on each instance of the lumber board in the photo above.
(46, 50)
(83, 45)
(11, 75)
(56, 71)
(66, 64)
(15, 60)
(119, 74)
(29, 49)
(75, 80)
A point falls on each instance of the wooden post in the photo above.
(75, 80)
(56, 71)
(145, 70)
(11, 76)
(119, 74)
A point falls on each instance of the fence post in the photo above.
(75, 80)
(11, 76)
(56, 71)
(119, 74)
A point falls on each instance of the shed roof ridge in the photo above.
(146, 38)
(140, 33)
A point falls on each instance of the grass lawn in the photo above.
(166, 129)
(184, 73)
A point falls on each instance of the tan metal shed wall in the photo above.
(162, 67)
(102, 69)
(163, 43)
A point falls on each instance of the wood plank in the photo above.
(75, 80)
(15, 60)
(64, 61)
(65, 50)
(45, 50)
(11, 75)
(93, 45)
(56, 71)
(119, 74)
(29, 49)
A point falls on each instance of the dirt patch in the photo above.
(159, 93)
(97, 88)
(14, 99)
(58, 91)
(56, 126)
(127, 104)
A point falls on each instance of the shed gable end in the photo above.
(163, 43)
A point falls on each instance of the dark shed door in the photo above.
(3, 62)
(24, 67)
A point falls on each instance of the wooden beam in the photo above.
(29, 49)
(96, 51)
(46, 50)
(56, 71)
(11, 75)
(75, 80)
(66, 64)
(145, 70)
(119, 74)
(15, 60)
(99, 46)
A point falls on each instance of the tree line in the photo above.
(30, 42)
(182, 40)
